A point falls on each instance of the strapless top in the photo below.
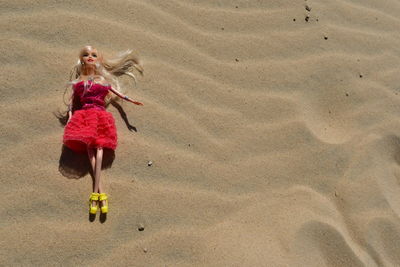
(93, 96)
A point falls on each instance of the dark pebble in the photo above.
(308, 8)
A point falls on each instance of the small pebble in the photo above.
(140, 227)
(361, 75)
(326, 37)
(294, 19)
(307, 18)
(145, 250)
(236, 59)
(149, 163)
(308, 8)
(347, 94)
(237, 7)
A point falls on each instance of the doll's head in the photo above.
(90, 58)
(123, 64)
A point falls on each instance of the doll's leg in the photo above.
(100, 187)
(99, 159)
(92, 160)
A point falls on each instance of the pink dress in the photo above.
(91, 126)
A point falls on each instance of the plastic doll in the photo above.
(90, 128)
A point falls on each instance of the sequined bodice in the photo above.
(93, 95)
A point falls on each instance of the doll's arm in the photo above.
(69, 112)
(70, 106)
(125, 97)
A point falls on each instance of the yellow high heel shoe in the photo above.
(93, 197)
(104, 208)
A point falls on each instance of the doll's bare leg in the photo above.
(100, 187)
(99, 159)
(92, 160)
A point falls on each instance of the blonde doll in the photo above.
(90, 128)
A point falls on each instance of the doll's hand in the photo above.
(137, 103)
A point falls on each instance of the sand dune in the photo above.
(272, 126)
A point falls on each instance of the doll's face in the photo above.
(89, 56)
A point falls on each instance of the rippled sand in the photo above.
(274, 140)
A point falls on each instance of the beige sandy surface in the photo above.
(274, 141)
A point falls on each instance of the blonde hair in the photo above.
(110, 69)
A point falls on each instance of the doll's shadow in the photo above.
(102, 217)
(75, 165)
(123, 116)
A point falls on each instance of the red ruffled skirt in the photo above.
(91, 128)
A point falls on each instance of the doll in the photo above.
(90, 128)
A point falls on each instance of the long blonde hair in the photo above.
(110, 69)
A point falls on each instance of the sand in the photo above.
(272, 127)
